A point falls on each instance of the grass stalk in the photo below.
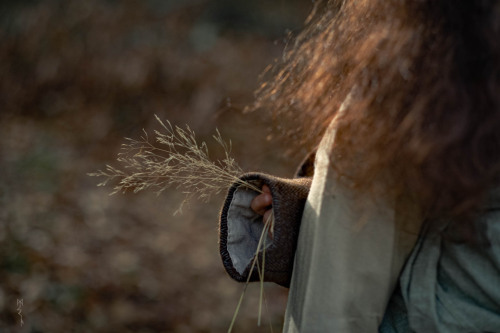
(173, 158)
(261, 246)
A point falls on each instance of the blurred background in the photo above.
(76, 77)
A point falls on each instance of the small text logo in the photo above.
(20, 310)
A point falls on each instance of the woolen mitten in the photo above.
(241, 228)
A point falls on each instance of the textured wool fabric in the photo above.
(289, 196)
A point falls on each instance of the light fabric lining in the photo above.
(244, 229)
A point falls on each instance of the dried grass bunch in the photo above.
(173, 159)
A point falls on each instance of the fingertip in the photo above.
(268, 199)
(260, 202)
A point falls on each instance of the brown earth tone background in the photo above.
(76, 77)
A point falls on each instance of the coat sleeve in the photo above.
(241, 228)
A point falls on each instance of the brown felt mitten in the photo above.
(241, 228)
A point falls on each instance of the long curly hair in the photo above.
(423, 78)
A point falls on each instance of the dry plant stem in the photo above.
(269, 225)
(174, 159)
(261, 246)
(268, 228)
(261, 271)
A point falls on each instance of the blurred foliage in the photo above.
(75, 78)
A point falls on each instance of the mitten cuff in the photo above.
(241, 228)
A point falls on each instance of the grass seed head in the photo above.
(172, 159)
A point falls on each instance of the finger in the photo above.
(267, 216)
(266, 189)
(261, 202)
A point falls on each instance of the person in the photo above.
(392, 224)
